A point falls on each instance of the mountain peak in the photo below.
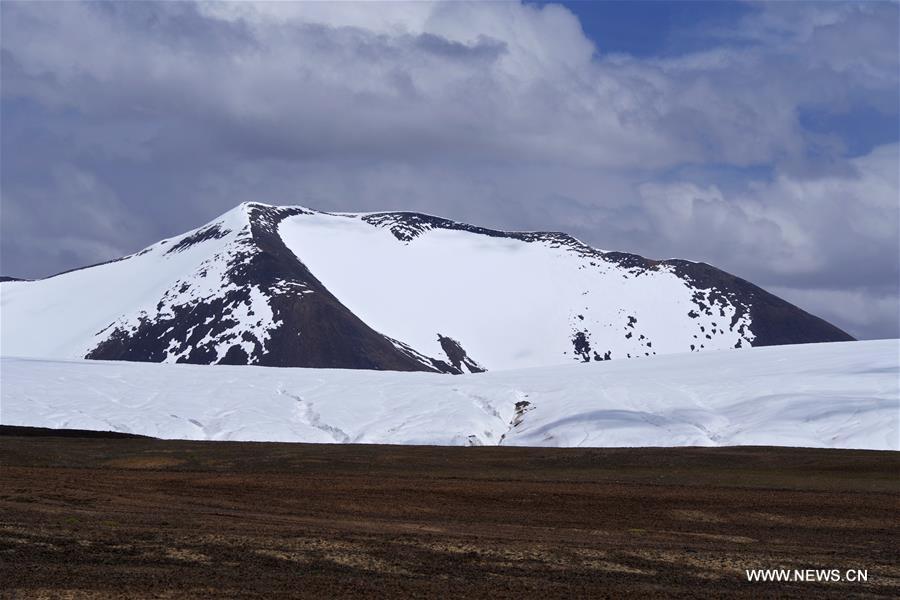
(291, 286)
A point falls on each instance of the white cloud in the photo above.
(497, 113)
(794, 226)
(503, 80)
(831, 243)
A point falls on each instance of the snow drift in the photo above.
(842, 395)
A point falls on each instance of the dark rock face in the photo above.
(775, 321)
(458, 357)
(212, 232)
(332, 336)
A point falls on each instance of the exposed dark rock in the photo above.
(775, 321)
(606, 356)
(458, 357)
(332, 336)
(582, 346)
(211, 232)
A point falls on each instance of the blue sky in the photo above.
(657, 29)
(648, 29)
(758, 137)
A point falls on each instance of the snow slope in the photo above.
(824, 395)
(68, 315)
(523, 302)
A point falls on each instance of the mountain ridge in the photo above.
(247, 288)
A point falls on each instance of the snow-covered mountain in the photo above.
(827, 395)
(289, 286)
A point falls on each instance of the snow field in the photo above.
(841, 395)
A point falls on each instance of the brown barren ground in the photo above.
(98, 518)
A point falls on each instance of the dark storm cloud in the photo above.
(127, 122)
(484, 49)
